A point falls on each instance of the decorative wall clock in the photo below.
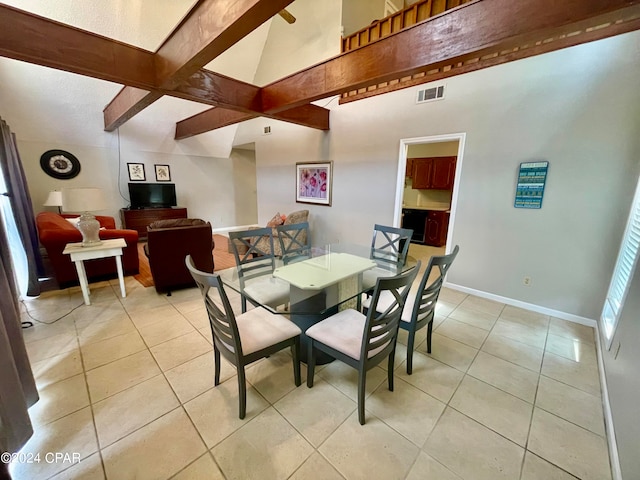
(60, 164)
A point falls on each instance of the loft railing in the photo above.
(395, 22)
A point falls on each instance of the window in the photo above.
(625, 265)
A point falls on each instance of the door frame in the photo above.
(402, 165)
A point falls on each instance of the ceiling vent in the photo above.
(430, 94)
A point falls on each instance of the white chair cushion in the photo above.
(268, 290)
(370, 277)
(386, 299)
(260, 329)
(342, 331)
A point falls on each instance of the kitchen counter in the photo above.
(438, 207)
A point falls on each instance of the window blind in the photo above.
(625, 265)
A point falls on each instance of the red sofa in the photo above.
(54, 232)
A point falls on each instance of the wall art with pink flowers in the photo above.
(313, 182)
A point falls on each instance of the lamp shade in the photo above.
(83, 200)
(54, 199)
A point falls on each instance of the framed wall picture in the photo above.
(532, 177)
(313, 182)
(163, 173)
(136, 172)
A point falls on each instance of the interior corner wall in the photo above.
(578, 108)
(314, 37)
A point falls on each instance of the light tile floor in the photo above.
(128, 385)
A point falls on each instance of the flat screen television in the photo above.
(152, 195)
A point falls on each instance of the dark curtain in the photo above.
(20, 200)
(17, 386)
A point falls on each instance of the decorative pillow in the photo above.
(275, 221)
(298, 217)
(73, 221)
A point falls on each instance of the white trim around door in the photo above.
(402, 165)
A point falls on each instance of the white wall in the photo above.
(314, 37)
(357, 14)
(577, 108)
(219, 190)
(51, 109)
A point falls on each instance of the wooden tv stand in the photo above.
(139, 219)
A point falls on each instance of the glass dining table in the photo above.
(332, 278)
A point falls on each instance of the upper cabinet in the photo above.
(435, 173)
(409, 172)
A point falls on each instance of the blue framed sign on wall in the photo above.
(530, 187)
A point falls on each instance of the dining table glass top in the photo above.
(332, 277)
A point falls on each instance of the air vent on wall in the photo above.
(430, 94)
(267, 130)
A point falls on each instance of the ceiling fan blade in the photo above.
(287, 16)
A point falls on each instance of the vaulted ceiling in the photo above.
(475, 35)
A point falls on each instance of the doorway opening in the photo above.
(427, 191)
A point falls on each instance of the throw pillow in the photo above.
(275, 221)
(73, 221)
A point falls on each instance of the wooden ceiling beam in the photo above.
(202, 122)
(34, 39)
(452, 36)
(210, 28)
(307, 115)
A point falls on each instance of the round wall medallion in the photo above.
(60, 164)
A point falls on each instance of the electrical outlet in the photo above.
(526, 281)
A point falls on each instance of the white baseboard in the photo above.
(528, 306)
(232, 229)
(614, 459)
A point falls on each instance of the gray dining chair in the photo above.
(255, 269)
(244, 339)
(294, 242)
(389, 249)
(419, 310)
(363, 341)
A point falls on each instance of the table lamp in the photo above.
(54, 200)
(85, 200)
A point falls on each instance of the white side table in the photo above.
(108, 248)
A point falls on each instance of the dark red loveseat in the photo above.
(54, 232)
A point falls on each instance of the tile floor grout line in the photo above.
(377, 387)
(180, 404)
(93, 417)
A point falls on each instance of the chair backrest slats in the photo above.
(294, 242)
(381, 329)
(424, 306)
(251, 260)
(390, 245)
(223, 322)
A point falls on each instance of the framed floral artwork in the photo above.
(136, 172)
(313, 182)
(163, 173)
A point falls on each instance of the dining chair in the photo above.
(255, 269)
(363, 341)
(389, 248)
(294, 242)
(419, 310)
(244, 339)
